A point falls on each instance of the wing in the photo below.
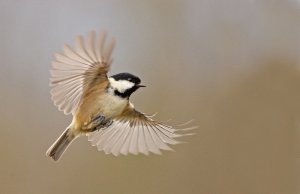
(136, 133)
(74, 70)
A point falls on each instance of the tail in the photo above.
(60, 145)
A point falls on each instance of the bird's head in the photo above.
(124, 84)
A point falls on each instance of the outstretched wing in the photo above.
(135, 133)
(74, 70)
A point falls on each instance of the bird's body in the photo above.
(94, 104)
(100, 104)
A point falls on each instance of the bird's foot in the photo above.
(98, 123)
(103, 125)
(98, 120)
(95, 122)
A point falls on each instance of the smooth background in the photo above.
(232, 66)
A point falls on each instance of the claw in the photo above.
(98, 123)
(104, 125)
(108, 123)
(98, 120)
(95, 123)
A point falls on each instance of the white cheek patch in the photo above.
(120, 85)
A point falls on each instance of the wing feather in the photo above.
(105, 137)
(70, 53)
(107, 147)
(150, 143)
(158, 141)
(116, 149)
(74, 70)
(109, 49)
(80, 49)
(142, 147)
(63, 66)
(100, 46)
(125, 148)
(133, 147)
(165, 138)
(70, 61)
(90, 47)
(135, 133)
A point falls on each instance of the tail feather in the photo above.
(60, 145)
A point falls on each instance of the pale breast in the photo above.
(112, 106)
(106, 104)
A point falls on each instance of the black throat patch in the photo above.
(126, 93)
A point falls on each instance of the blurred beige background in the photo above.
(232, 66)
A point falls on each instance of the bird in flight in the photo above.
(100, 104)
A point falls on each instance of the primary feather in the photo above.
(74, 70)
(134, 133)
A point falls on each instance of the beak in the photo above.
(140, 86)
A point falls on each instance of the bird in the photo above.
(100, 104)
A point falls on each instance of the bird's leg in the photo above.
(107, 123)
(95, 122)
(103, 125)
(98, 120)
